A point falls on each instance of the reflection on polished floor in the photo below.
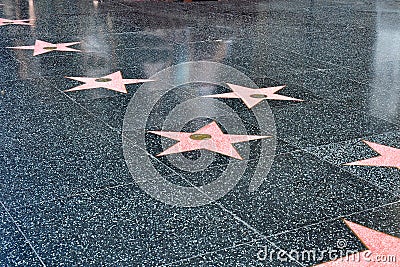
(215, 133)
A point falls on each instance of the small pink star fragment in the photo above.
(383, 250)
(209, 137)
(42, 47)
(252, 97)
(4, 22)
(389, 157)
(112, 81)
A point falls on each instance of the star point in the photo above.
(113, 81)
(42, 47)
(5, 22)
(388, 157)
(251, 97)
(209, 137)
(378, 245)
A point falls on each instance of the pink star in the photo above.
(42, 47)
(4, 22)
(389, 157)
(252, 97)
(112, 81)
(380, 246)
(209, 137)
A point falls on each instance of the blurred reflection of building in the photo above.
(385, 100)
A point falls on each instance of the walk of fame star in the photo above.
(252, 97)
(42, 47)
(4, 22)
(378, 244)
(209, 137)
(112, 81)
(388, 157)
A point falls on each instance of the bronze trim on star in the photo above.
(200, 136)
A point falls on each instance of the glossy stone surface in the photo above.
(80, 176)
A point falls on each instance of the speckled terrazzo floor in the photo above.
(92, 94)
